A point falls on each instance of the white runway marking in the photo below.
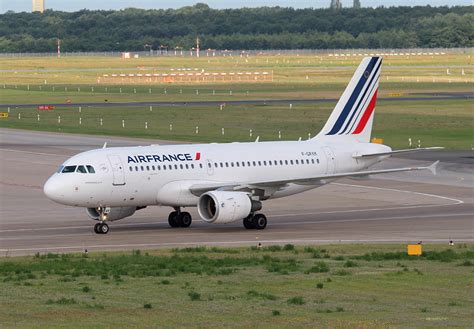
(190, 232)
(404, 191)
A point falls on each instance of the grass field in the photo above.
(337, 286)
(74, 80)
(434, 123)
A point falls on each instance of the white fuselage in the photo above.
(162, 175)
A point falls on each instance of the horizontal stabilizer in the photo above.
(365, 155)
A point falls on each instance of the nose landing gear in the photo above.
(101, 227)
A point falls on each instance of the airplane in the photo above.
(228, 182)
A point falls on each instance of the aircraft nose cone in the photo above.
(52, 189)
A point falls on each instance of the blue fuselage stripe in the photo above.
(350, 103)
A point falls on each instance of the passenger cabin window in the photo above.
(69, 169)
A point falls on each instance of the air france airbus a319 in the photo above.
(227, 182)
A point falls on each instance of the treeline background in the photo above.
(247, 28)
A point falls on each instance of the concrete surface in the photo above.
(402, 207)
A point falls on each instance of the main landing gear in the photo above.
(101, 228)
(178, 218)
(255, 221)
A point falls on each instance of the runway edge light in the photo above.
(414, 249)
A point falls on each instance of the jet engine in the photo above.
(111, 214)
(221, 207)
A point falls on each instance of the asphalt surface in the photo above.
(404, 207)
(413, 97)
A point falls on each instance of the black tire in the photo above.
(259, 221)
(248, 223)
(172, 219)
(186, 219)
(104, 228)
(96, 228)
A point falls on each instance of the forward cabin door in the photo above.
(330, 160)
(117, 169)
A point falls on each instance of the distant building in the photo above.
(336, 4)
(356, 4)
(38, 5)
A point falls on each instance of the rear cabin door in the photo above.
(117, 170)
(330, 160)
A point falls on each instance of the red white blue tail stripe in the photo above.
(357, 104)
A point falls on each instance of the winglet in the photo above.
(105, 145)
(432, 167)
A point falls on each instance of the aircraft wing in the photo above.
(199, 189)
(364, 155)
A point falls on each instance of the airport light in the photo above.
(163, 47)
(150, 47)
(180, 50)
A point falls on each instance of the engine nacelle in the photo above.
(111, 214)
(223, 207)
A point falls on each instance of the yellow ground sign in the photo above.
(377, 140)
(414, 250)
(3, 115)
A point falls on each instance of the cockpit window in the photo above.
(60, 169)
(69, 169)
(91, 169)
(82, 169)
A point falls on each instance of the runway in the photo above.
(404, 207)
(260, 102)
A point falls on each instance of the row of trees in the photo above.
(248, 28)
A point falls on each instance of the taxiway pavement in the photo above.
(403, 207)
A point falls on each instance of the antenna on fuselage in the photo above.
(105, 145)
(258, 138)
(299, 139)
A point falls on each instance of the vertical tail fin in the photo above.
(354, 112)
